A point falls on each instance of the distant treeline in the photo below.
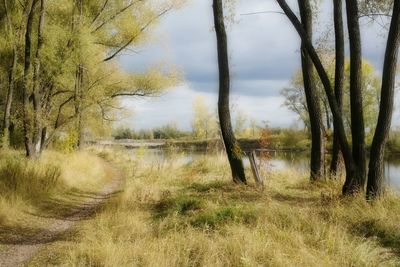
(274, 138)
(165, 132)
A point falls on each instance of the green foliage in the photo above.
(205, 123)
(66, 142)
(295, 97)
(78, 88)
(169, 131)
(393, 143)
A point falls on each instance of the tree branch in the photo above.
(115, 15)
(136, 35)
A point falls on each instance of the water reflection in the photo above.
(277, 161)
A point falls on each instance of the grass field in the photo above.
(35, 192)
(178, 214)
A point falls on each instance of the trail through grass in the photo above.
(177, 214)
(37, 195)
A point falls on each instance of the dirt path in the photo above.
(18, 254)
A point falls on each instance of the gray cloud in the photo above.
(264, 54)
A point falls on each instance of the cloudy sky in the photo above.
(264, 54)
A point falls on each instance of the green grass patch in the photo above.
(181, 205)
(220, 216)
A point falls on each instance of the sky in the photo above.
(263, 52)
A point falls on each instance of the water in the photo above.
(277, 161)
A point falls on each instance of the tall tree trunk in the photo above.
(337, 115)
(231, 145)
(9, 100)
(27, 68)
(339, 79)
(375, 185)
(37, 94)
(43, 139)
(78, 105)
(313, 102)
(79, 84)
(327, 115)
(11, 81)
(357, 116)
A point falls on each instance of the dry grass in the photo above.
(176, 214)
(33, 192)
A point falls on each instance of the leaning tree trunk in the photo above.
(375, 186)
(337, 115)
(26, 92)
(317, 161)
(231, 145)
(339, 79)
(357, 116)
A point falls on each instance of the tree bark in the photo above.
(11, 82)
(337, 115)
(339, 79)
(356, 184)
(313, 102)
(78, 105)
(232, 147)
(27, 68)
(37, 96)
(375, 185)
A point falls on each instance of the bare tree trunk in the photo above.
(47, 107)
(27, 68)
(79, 86)
(37, 95)
(327, 115)
(43, 136)
(78, 105)
(9, 100)
(11, 82)
(375, 185)
(233, 150)
(339, 79)
(313, 101)
(357, 116)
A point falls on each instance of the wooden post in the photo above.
(254, 169)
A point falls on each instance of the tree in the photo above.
(240, 123)
(295, 96)
(356, 100)
(375, 185)
(12, 36)
(313, 104)
(354, 161)
(204, 123)
(339, 78)
(351, 167)
(26, 80)
(75, 91)
(232, 147)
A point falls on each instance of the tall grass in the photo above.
(193, 215)
(27, 179)
(27, 185)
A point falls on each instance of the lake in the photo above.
(278, 161)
